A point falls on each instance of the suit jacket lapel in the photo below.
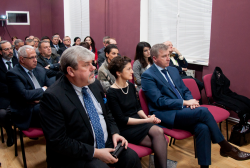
(22, 71)
(2, 65)
(71, 94)
(159, 75)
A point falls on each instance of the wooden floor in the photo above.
(182, 151)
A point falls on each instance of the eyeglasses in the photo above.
(35, 57)
(36, 41)
(6, 49)
(67, 40)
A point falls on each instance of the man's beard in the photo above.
(7, 57)
(91, 80)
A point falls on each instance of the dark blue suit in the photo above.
(22, 94)
(164, 103)
(4, 97)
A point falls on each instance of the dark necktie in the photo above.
(171, 84)
(94, 118)
(35, 82)
(9, 65)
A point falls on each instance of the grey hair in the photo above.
(104, 38)
(55, 36)
(2, 42)
(22, 50)
(17, 41)
(65, 37)
(154, 51)
(40, 43)
(72, 55)
(28, 41)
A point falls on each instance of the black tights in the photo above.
(157, 141)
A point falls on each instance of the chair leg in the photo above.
(15, 140)
(227, 128)
(174, 142)
(195, 150)
(220, 126)
(170, 141)
(23, 152)
(2, 134)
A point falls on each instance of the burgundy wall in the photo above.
(118, 19)
(230, 40)
(46, 18)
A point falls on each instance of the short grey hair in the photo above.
(17, 41)
(3, 42)
(55, 36)
(28, 41)
(22, 50)
(72, 55)
(40, 43)
(105, 38)
(65, 37)
(154, 51)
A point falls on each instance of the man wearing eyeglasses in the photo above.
(7, 62)
(67, 44)
(26, 83)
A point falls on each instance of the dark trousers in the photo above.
(5, 121)
(127, 159)
(200, 122)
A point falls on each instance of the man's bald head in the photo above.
(170, 46)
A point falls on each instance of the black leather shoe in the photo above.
(236, 154)
(10, 141)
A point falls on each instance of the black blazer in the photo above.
(182, 64)
(4, 95)
(65, 123)
(43, 63)
(22, 93)
(61, 50)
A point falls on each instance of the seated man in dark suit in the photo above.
(26, 83)
(46, 38)
(101, 56)
(7, 62)
(78, 126)
(171, 101)
(178, 61)
(48, 60)
(67, 44)
(18, 43)
(104, 40)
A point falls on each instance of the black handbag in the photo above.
(240, 134)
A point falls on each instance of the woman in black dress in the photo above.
(132, 122)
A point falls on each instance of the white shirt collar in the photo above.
(160, 68)
(5, 60)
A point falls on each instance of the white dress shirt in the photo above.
(98, 109)
(160, 68)
(4, 61)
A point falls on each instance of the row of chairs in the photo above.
(219, 114)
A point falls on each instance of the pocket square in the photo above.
(104, 100)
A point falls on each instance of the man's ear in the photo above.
(70, 71)
(154, 58)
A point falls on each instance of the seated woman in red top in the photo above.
(132, 122)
